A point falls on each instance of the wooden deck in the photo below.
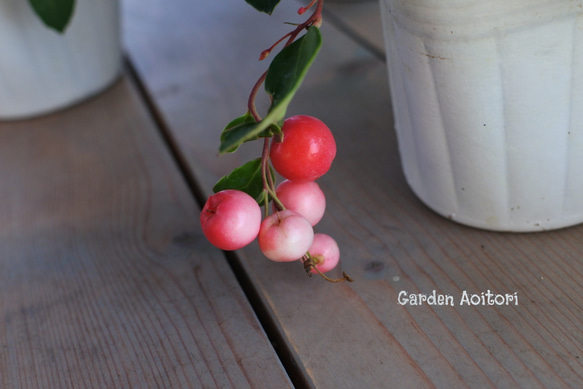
(106, 280)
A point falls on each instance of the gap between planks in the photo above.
(272, 329)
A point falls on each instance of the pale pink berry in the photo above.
(304, 197)
(325, 252)
(285, 236)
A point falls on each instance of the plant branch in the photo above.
(314, 20)
(309, 265)
(252, 97)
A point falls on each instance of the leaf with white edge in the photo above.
(235, 133)
(284, 76)
(289, 67)
(233, 130)
(55, 14)
(266, 6)
(246, 178)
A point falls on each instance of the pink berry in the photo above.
(285, 236)
(325, 251)
(230, 219)
(307, 150)
(304, 197)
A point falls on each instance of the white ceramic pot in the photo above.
(42, 70)
(488, 104)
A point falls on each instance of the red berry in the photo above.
(307, 150)
(230, 219)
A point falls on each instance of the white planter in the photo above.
(42, 70)
(488, 103)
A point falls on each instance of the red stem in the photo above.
(314, 20)
(251, 102)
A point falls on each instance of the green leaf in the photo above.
(289, 67)
(55, 14)
(235, 128)
(246, 178)
(284, 76)
(238, 129)
(266, 6)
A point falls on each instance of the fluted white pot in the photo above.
(42, 70)
(488, 104)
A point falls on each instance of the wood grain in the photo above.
(106, 280)
(358, 335)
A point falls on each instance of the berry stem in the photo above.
(268, 183)
(310, 265)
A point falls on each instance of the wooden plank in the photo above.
(358, 335)
(106, 280)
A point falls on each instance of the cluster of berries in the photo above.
(231, 219)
